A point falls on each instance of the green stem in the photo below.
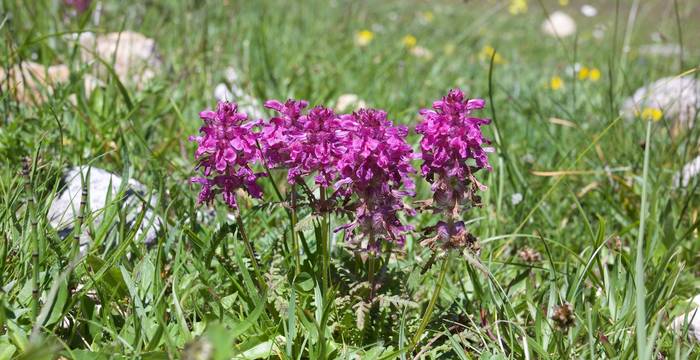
(34, 241)
(325, 246)
(293, 220)
(639, 263)
(372, 260)
(251, 252)
(291, 214)
(431, 305)
(35, 269)
(77, 230)
(3, 258)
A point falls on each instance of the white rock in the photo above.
(91, 83)
(589, 10)
(234, 93)
(664, 50)
(222, 93)
(689, 321)
(559, 24)
(134, 56)
(30, 82)
(690, 170)
(677, 97)
(349, 102)
(103, 186)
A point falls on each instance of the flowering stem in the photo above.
(372, 260)
(325, 246)
(640, 289)
(291, 214)
(293, 221)
(431, 305)
(250, 251)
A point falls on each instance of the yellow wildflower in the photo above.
(592, 74)
(583, 73)
(650, 113)
(364, 37)
(563, 2)
(517, 7)
(487, 52)
(409, 41)
(556, 83)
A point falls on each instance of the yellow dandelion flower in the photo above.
(517, 7)
(487, 52)
(594, 74)
(364, 37)
(556, 83)
(409, 41)
(653, 114)
(583, 73)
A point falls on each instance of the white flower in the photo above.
(559, 24)
(589, 10)
(516, 198)
(231, 75)
(421, 53)
(599, 31)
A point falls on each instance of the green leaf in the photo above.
(6, 351)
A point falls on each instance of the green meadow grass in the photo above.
(617, 242)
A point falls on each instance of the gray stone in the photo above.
(103, 190)
(676, 97)
(689, 321)
(133, 56)
(689, 171)
(233, 91)
(663, 50)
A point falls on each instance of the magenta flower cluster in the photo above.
(376, 167)
(453, 148)
(362, 158)
(80, 6)
(226, 150)
(303, 143)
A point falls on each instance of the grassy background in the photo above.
(191, 294)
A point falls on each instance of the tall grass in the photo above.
(616, 240)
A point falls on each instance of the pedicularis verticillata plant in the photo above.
(354, 166)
